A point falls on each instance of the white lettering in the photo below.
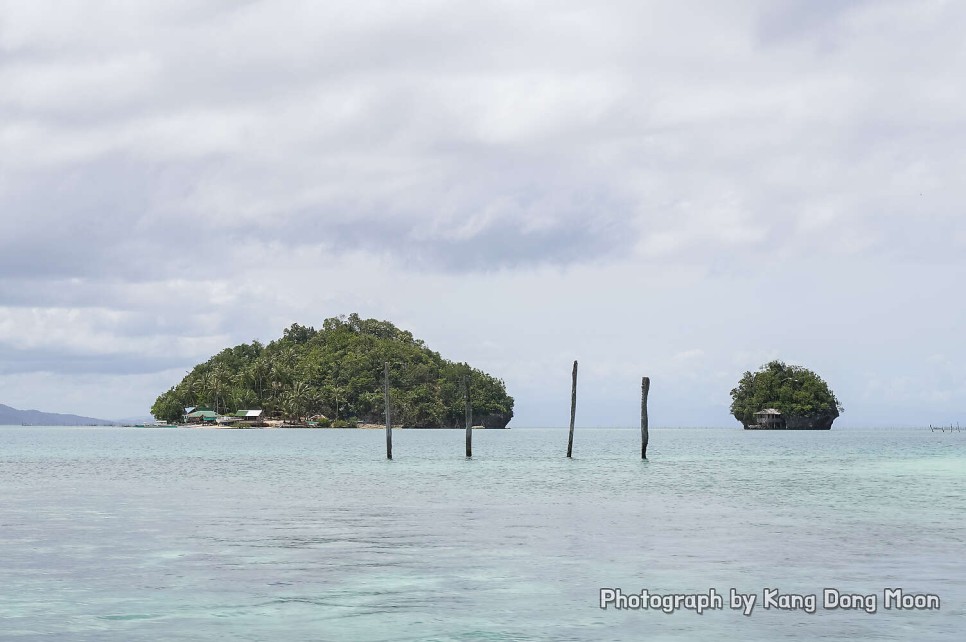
(835, 599)
(773, 599)
(743, 601)
(895, 598)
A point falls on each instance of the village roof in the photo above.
(249, 413)
(768, 411)
(204, 414)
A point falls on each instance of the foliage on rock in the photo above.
(337, 372)
(793, 390)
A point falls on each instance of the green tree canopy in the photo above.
(792, 390)
(337, 371)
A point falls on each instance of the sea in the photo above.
(110, 533)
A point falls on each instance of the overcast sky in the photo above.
(683, 190)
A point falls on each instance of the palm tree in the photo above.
(201, 388)
(300, 397)
(220, 382)
(258, 374)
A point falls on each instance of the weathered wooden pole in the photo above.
(469, 416)
(388, 425)
(573, 413)
(645, 388)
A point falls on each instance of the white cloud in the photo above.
(633, 179)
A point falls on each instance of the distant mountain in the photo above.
(13, 417)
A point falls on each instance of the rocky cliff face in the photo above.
(495, 420)
(821, 422)
(796, 422)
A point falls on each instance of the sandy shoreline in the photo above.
(278, 425)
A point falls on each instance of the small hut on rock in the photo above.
(768, 419)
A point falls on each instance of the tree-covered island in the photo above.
(784, 397)
(337, 373)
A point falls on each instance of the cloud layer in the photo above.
(179, 176)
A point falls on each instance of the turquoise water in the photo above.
(179, 534)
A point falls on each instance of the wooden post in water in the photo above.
(573, 413)
(645, 388)
(388, 425)
(469, 416)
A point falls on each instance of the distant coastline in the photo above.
(10, 416)
(276, 425)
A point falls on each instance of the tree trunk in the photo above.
(645, 388)
(469, 416)
(573, 412)
(388, 425)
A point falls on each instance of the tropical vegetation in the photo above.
(336, 372)
(792, 390)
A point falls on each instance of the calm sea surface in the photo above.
(179, 534)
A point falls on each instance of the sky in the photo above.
(682, 190)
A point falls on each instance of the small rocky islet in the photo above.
(779, 396)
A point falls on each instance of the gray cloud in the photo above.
(800, 19)
(55, 360)
(405, 130)
(169, 168)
